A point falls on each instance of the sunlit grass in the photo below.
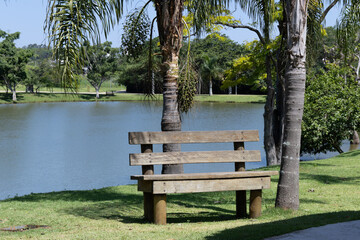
(329, 193)
(72, 97)
(231, 98)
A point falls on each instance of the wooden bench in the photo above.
(156, 186)
(109, 93)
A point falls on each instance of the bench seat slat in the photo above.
(214, 175)
(193, 137)
(205, 185)
(194, 157)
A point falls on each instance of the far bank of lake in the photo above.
(119, 96)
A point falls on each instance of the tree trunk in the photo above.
(152, 82)
(295, 76)
(269, 141)
(97, 93)
(358, 70)
(170, 26)
(278, 128)
(200, 83)
(355, 138)
(230, 90)
(236, 90)
(338, 148)
(14, 95)
(29, 88)
(210, 88)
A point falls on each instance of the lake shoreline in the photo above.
(48, 97)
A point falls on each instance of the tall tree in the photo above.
(170, 26)
(71, 23)
(101, 63)
(296, 21)
(12, 62)
(210, 71)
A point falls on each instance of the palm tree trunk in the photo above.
(280, 88)
(269, 141)
(170, 26)
(288, 187)
(210, 87)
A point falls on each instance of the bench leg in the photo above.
(255, 203)
(149, 206)
(241, 204)
(160, 209)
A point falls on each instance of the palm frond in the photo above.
(72, 23)
(202, 9)
(348, 28)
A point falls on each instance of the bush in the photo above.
(331, 112)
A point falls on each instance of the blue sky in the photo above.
(27, 17)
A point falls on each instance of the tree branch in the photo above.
(327, 10)
(262, 40)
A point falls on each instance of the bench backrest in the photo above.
(147, 158)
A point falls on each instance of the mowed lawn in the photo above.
(90, 97)
(329, 193)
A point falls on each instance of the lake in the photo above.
(49, 147)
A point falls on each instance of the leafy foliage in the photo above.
(102, 62)
(349, 28)
(249, 68)
(12, 61)
(223, 48)
(331, 110)
(210, 70)
(40, 74)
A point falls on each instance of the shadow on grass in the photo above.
(327, 179)
(275, 228)
(7, 97)
(307, 163)
(114, 204)
(354, 153)
(97, 195)
(128, 208)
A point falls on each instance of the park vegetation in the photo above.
(287, 60)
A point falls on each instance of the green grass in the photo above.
(59, 97)
(84, 86)
(70, 97)
(232, 98)
(329, 193)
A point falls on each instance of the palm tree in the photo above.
(210, 71)
(71, 23)
(296, 20)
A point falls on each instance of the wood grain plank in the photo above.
(214, 185)
(193, 137)
(194, 157)
(215, 175)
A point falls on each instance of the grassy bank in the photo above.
(58, 97)
(329, 193)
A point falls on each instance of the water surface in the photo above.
(77, 146)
